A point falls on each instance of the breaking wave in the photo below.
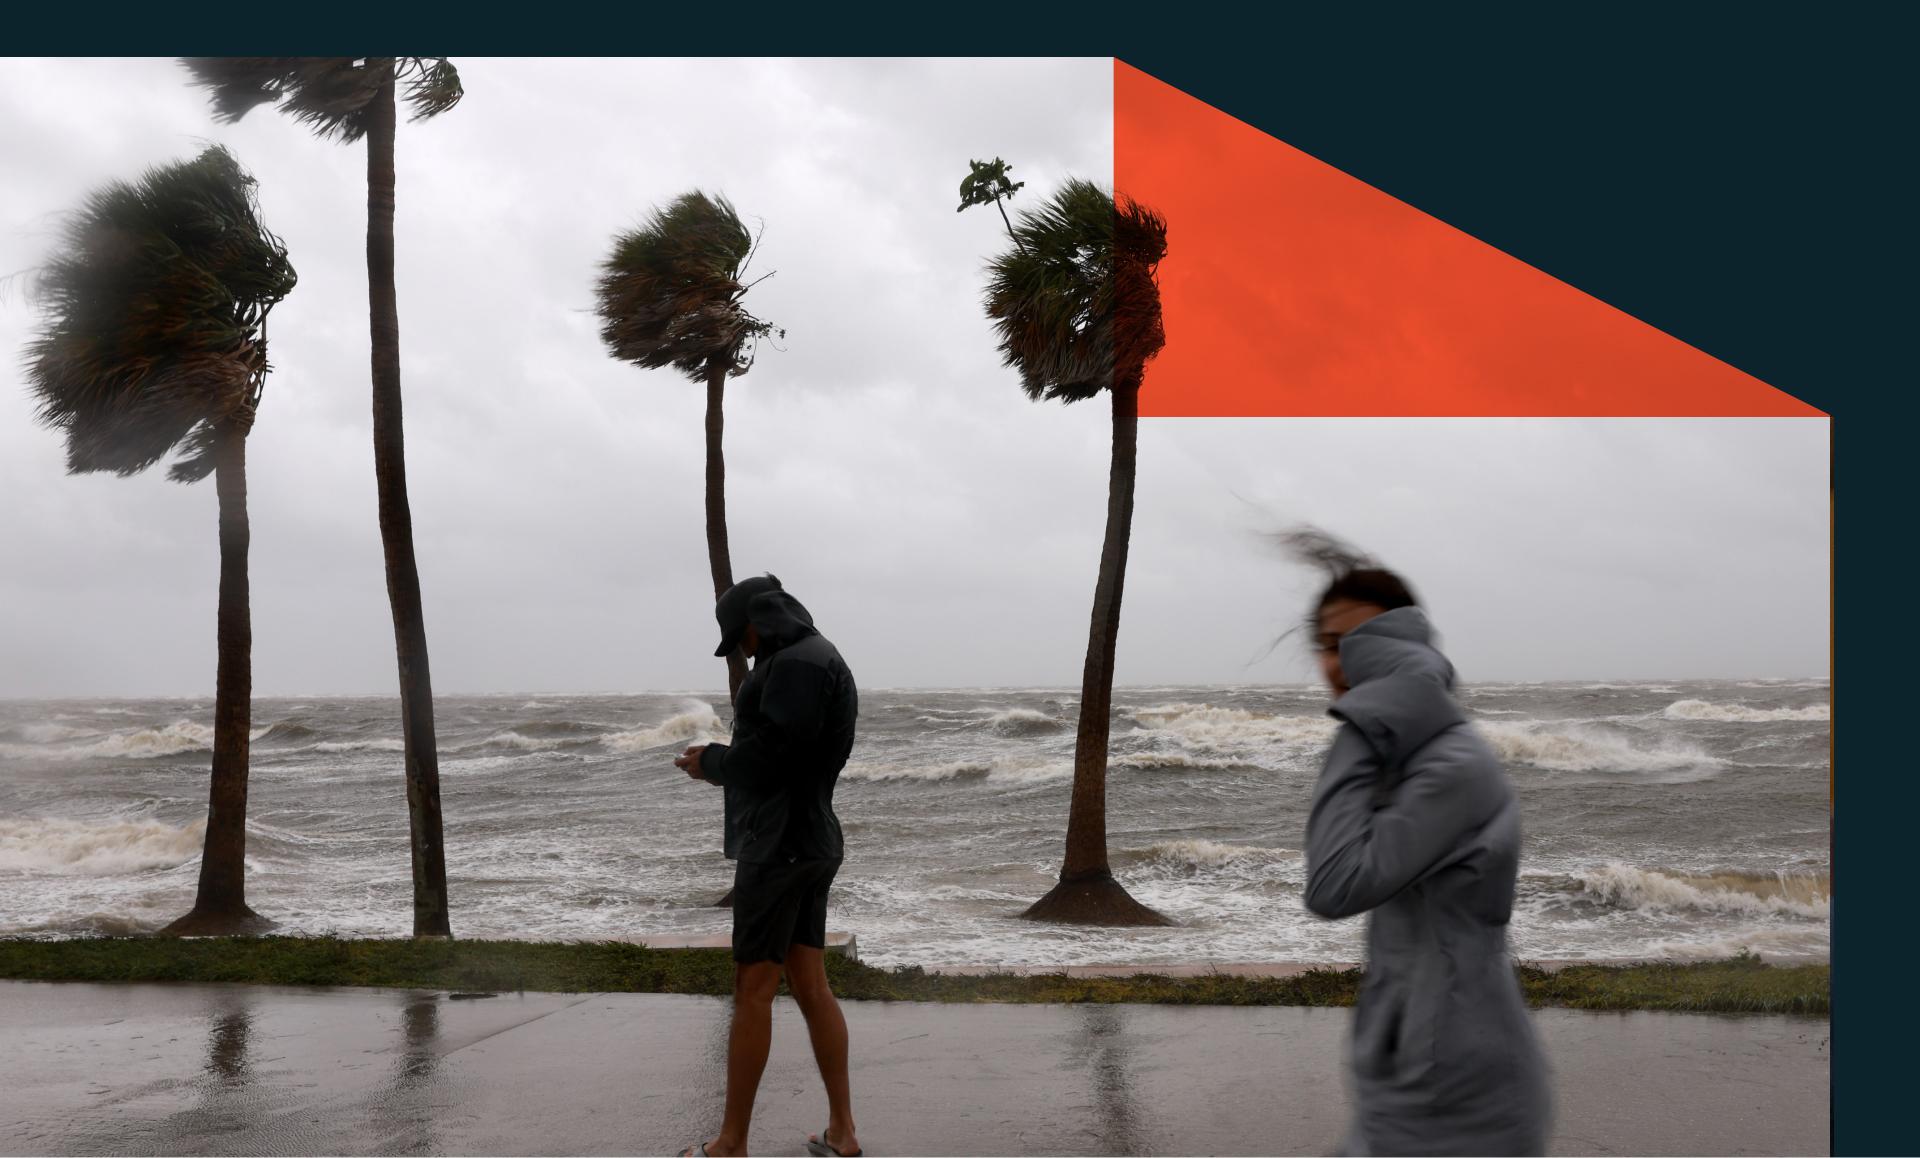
(383, 744)
(145, 744)
(1588, 750)
(1742, 714)
(286, 731)
(516, 741)
(96, 848)
(1801, 895)
(1147, 761)
(559, 729)
(1212, 728)
(1782, 944)
(1207, 854)
(696, 723)
(1024, 722)
(999, 770)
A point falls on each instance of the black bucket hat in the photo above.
(731, 610)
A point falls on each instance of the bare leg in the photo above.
(827, 1027)
(753, 989)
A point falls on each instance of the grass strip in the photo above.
(1739, 985)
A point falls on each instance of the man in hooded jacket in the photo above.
(793, 729)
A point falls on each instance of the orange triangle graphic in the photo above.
(1291, 288)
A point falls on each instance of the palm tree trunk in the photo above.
(718, 557)
(1087, 892)
(396, 531)
(220, 907)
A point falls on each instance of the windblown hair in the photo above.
(1350, 574)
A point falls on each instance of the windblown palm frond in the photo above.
(1075, 300)
(155, 318)
(329, 94)
(670, 293)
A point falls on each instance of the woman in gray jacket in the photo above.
(1414, 822)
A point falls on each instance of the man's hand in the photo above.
(689, 761)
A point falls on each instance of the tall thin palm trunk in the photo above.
(220, 906)
(396, 530)
(1087, 891)
(718, 557)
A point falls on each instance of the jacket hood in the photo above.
(1393, 642)
(1400, 686)
(780, 619)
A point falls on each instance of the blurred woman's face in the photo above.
(1332, 624)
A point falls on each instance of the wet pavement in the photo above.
(208, 1069)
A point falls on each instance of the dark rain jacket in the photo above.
(1414, 822)
(793, 724)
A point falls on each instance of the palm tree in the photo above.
(155, 343)
(347, 98)
(670, 296)
(1077, 310)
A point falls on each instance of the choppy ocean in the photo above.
(1685, 819)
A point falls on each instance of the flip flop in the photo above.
(698, 1149)
(819, 1147)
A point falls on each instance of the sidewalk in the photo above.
(175, 1069)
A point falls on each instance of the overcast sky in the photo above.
(944, 530)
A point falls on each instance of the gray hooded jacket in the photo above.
(1414, 822)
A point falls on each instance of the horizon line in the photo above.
(1623, 681)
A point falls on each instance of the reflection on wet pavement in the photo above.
(403, 1113)
(208, 1069)
(1106, 1051)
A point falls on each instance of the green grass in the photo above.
(1741, 985)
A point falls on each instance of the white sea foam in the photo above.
(511, 739)
(1577, 748)
(1779, 944)
(1015, 770)
(1152, 760)
(95, 848)
(145, 744)
(383, 744)
(1023, 722)
(1233, 729)
(1740, 893)
(1210, 853)
(1741, 713)
(697, 722)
